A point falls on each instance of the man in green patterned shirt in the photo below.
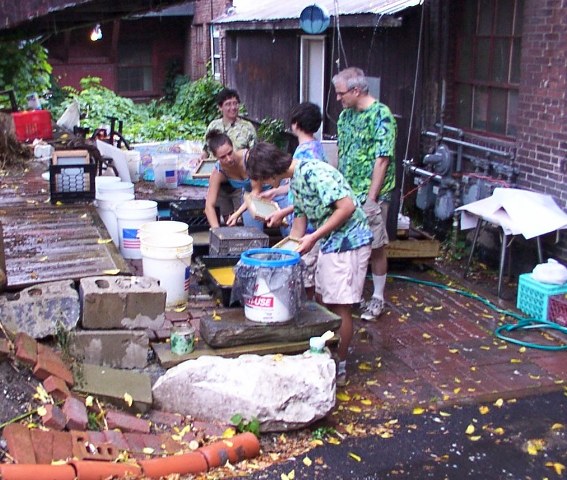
(242, 134)
(366, 139)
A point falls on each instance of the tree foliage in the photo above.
(24, 68)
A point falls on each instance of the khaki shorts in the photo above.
(377, 213)
(309, 261)
(229, 200)
(340, 276)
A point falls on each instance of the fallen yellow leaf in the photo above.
(343, 397)
(365, 366)
(428, 309)
(470, 429)
(498, 403)
(444, 414)
(148, 450)
(334, 441)
(557, 426)
(558, 467)
(355, 409)
(515, 360)
(307, 462)
(316, 442)
(426, 336)
(499, 431)
(483, 409)
(114, 271)
(103, 241)
(41, 411)
(229, 433)
(128, 399)
(418, 410)
(475, 438)
(89, 401)
(354, 456)
(366, 402)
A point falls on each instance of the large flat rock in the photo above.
(233, 329)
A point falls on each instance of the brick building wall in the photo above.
(542, 109)
(205, 11)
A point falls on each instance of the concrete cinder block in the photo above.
(111, 348)
(40, 310)
(122, 303)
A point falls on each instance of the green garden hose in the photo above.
(523, 323)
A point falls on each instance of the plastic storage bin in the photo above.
(32, 124)
(191, 212)
(558, 309)
(235, 240)
(533, 296)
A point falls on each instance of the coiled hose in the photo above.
(500, 332)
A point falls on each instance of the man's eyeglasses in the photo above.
(342, 94)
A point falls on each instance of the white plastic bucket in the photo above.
(167, 258)
(104, 180)
(106, 208)
(265, 306)
(165, 171)
(131, 216)
(133, 159)
(163, 227)
(113, 187)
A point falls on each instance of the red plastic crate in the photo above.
(558, 309)
(32, 124)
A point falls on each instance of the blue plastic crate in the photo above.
(533, 296)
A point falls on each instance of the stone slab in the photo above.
(40, 310)
(111, 348)
(111, 385)
(167, 359)
(234, 329)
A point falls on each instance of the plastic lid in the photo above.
(270, 257)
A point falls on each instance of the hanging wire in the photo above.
(412, 113)
(379, 15)
(339, 37)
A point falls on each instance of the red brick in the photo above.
(42, 446)
(135, 444)
(54, 418)
(20, 446)
(126, 422)
(165, 418)
(176, 317)
(47, 365)
(209, 429)
(56, 387)
(170, 446)
(75, 413)
(62, 445)
(116, 438)
(26, 349)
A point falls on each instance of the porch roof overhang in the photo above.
(278, 15)
(37, 18)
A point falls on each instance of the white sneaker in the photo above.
(373, 310)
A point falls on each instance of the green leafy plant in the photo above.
(24, 68)
(321, 433)
(242, 425)
(272, 130)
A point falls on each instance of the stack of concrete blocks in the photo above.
(117, 314)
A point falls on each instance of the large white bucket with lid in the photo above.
(165, 170)
(270, 303)
(131, 216)
(114, 187)
(163, 227)
(106, 208)
(102, 180)
(167, 258)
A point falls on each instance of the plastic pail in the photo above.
(114, 187)
(104, 180)
(165, 171)
(133, 159)
(163, 227)
(268, 305)
(131, 216)
(106, 208)
(167, 258)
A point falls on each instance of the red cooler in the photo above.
(33, 124)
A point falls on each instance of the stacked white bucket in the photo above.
(110, 191)
(166, 249)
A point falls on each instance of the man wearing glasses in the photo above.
(366, 139)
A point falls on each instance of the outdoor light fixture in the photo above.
(96, 33)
